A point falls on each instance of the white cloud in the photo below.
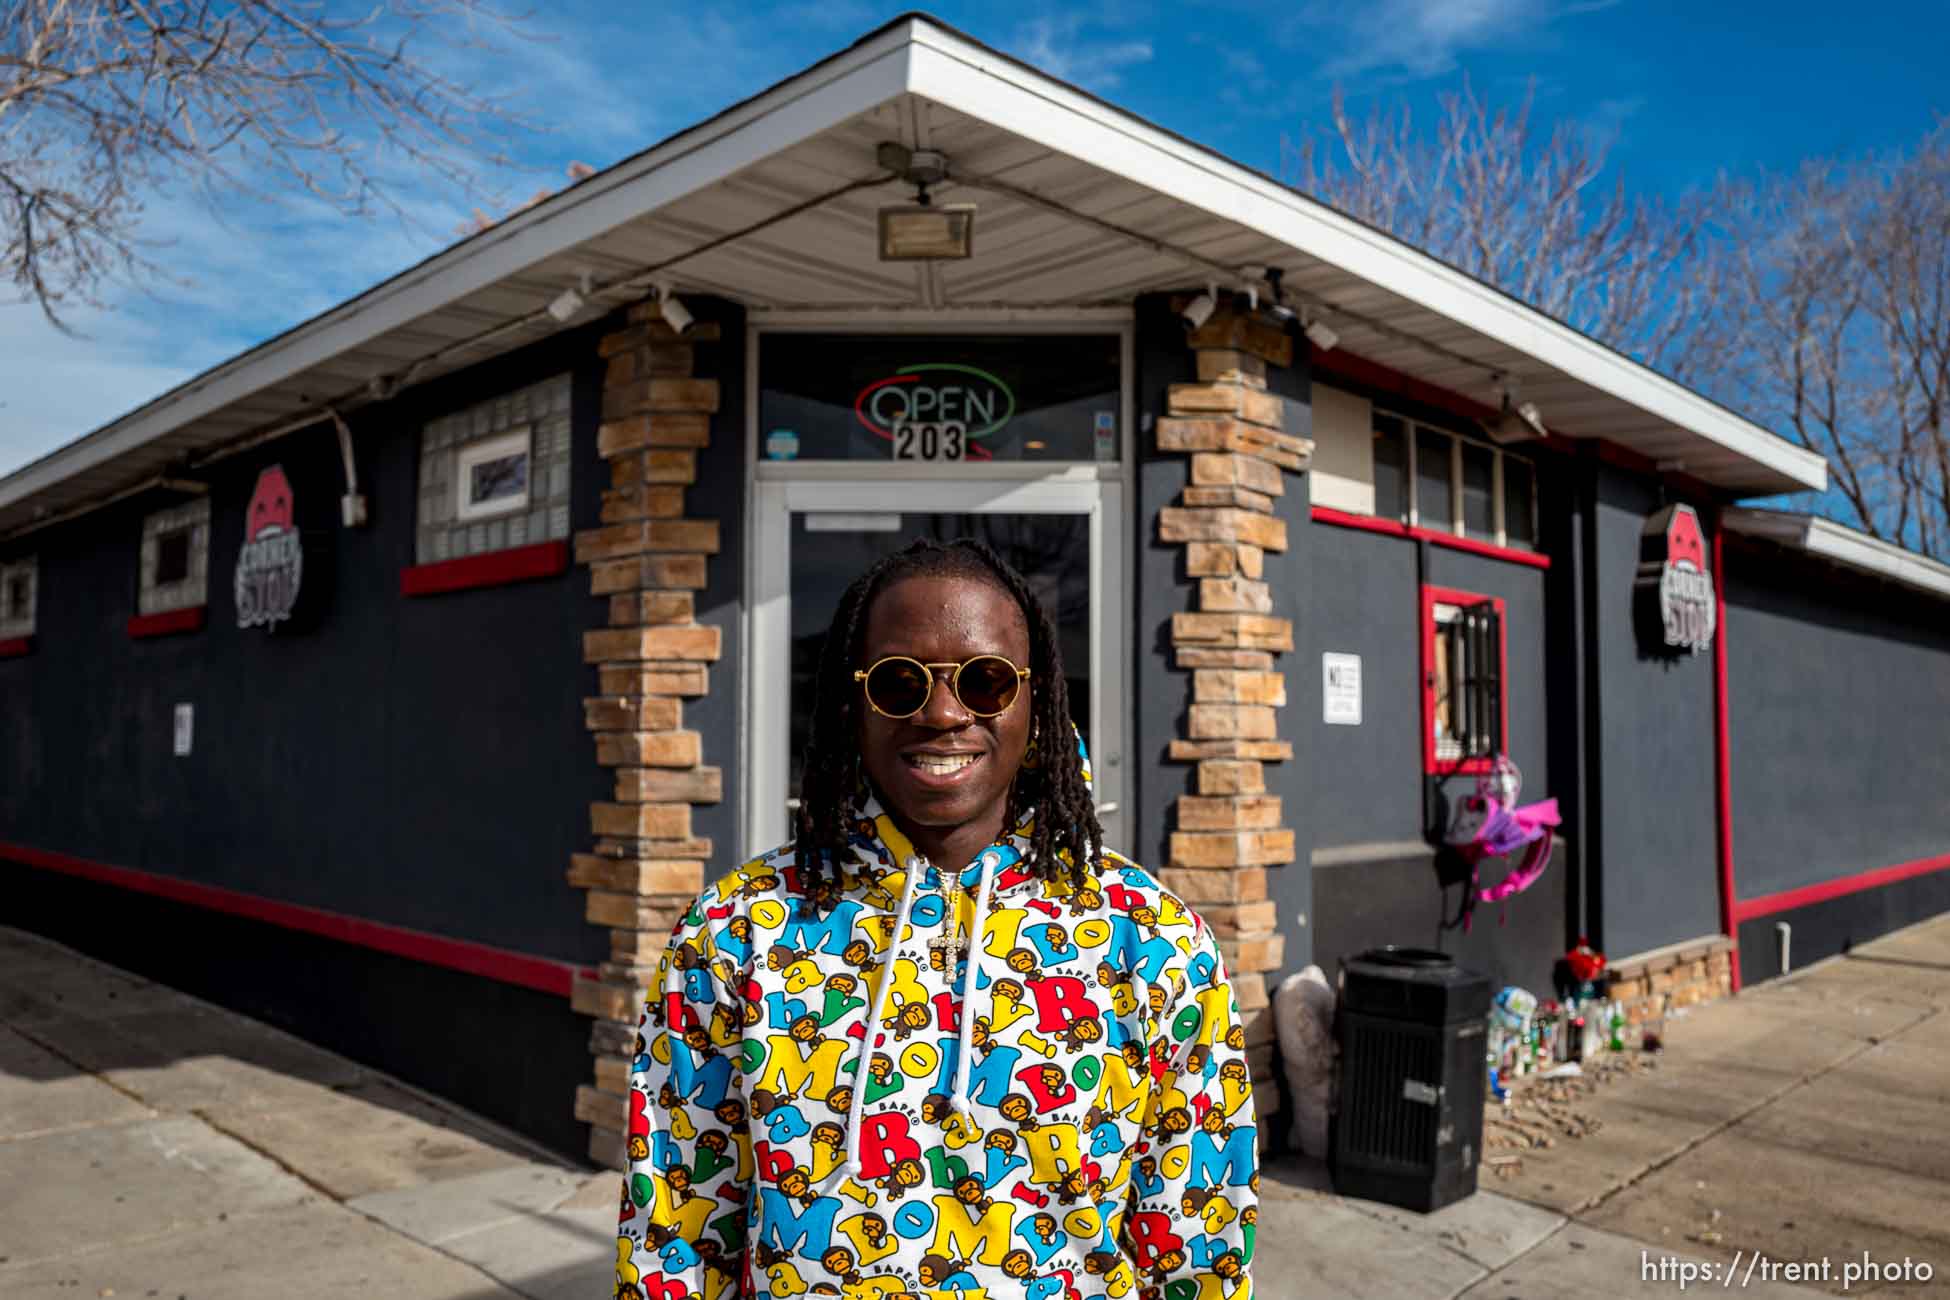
(1419, 38)
(54, 387)
(1059, 47)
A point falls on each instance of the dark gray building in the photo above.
(302, 664)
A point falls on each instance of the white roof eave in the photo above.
(915, 56)
(842, 87)
(1839, 544)
(973, 80)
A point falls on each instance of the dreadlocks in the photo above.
(1065, 815)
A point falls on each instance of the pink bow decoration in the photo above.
(1505, 830)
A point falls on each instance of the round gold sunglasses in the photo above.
(899, 687)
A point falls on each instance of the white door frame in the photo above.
(1079, 489)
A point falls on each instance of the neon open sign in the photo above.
(936, 410)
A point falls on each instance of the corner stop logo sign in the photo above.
(272, 564)
(1677, 565)
(936, 410)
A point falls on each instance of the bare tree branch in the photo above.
(1817, 302)
(105, 101)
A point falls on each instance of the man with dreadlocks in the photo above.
(944, 1043)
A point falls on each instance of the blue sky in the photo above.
(1685, 90)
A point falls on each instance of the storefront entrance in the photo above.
(1062, 530)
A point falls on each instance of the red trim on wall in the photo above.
(16, 646)
(1395, 528)
(1722, 752)
(1431, 766)
(168, 623)
(543, 974)
(1842, 886)
(1342, 364)
(495, 569)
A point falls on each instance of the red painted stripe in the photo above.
(1366, 523)
(541, 973)
(168, 623)
(1395, 528)
(495, 569)
(1808, 895)
(14, 647)
(1722, 752)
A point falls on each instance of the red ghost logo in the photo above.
(270, 505)
(1684, 544)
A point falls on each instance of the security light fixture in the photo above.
(570, 301)
(1323, 339)
(1517, 421)
(923, 231)
(1199, 310)
(675, 313)
(1278, 310)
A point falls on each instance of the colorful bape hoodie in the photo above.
(843, 1104)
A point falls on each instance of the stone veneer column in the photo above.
(653, 655)
(1230, 832)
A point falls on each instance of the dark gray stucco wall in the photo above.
(1838, 692)
(1159, 692)
(417, 761)
(720, 493)
(1657, 849)
(1373, 877)
(1367, 779)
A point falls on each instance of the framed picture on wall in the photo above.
(493, 476)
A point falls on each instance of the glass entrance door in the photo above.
(815, 537)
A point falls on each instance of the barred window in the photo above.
(1464, 704)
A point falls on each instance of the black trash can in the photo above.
(1409, 1127)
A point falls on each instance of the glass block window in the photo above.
(496, 475)
(19, 584)
(175, 559)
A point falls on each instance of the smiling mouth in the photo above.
(941, 764)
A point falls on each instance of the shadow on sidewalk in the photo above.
(115, 1045)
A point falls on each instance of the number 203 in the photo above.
(930, 440)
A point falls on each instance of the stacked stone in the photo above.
(650, 561)
(1650, 986)
(1229, 832)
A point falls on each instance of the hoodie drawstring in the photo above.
(861, 1071)
(960, 1099)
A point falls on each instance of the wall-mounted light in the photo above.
(1199, 310)
(1277, 307)
(1323, 339)
(675, 313)
(564, 306)
(1517, 421)
(923, 231)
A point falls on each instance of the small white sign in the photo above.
(930, 440)
(844, 521)
(1340, 697)
(185, 728)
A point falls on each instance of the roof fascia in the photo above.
(1846, 546)
(850, 83)
(971, 79)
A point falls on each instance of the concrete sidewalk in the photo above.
(154, 1145)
